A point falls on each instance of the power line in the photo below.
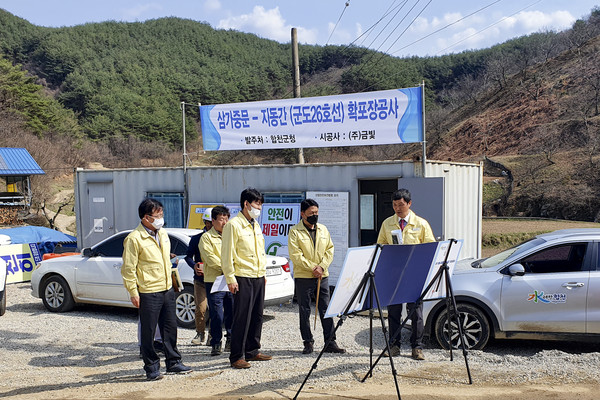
(381, 55)
(409, 25)
(488, 27)
(367, 32)
(389, 22)
(372, 27)
(447, 26)
(338, 21)
(495, 23)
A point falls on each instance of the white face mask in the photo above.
(254, 212)
(158, 223)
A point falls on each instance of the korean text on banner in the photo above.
(372, 118)
(277, 220)
(20, 260)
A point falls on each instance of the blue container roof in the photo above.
(18, 162)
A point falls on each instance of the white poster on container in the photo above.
(333, 213)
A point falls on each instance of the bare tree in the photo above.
(51, 216)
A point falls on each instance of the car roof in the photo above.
(569, 233)
(184, 231)
(181, 233)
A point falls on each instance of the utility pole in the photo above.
(296, 67)
(185, 177)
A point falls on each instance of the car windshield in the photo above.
(503, 255)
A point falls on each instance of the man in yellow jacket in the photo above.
(244, 264)
(415, 230)
(311, 252)
(220, 304)
(146, 272)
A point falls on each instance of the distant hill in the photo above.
(529, 105)
(128, 79)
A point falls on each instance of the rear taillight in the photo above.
(286, 267)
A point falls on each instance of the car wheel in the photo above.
(475, 326)
(56, 294)
(3, 303)
(185, 308)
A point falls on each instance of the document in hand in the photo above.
(220, 285)
(177, 284)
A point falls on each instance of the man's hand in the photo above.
(233, 287)
(199, 269)
(317, 271)
(135, 300)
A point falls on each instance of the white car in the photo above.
(94, 277)
(2, 287)
(545, 288)
(4, 240)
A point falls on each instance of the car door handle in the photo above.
(119, 266)
(571, 285)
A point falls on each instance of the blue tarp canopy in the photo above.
(36, 234)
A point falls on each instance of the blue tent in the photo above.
(46, 238)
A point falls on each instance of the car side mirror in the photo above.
(516, 270)
(87, 252)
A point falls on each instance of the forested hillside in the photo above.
(113, 92)
(128, 79)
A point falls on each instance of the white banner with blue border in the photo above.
(371, 118)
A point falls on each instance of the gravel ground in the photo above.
(92, 353)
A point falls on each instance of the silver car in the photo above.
(94, 277)
(545, 288)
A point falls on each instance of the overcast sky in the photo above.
(398, 27)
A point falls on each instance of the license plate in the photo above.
(273, 271)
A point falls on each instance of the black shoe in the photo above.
(334, 348)
(179, 368)
(227, 345)
(216, 350)
(308, 348)
(154, 376)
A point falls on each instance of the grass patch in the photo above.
(492, 191)
(506, 240)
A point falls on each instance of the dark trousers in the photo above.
(305, 287)
(395, 319)
(220, 308)
(158, 308)
(248, 304)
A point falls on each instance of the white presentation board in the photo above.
(356, 264)
(438, 290)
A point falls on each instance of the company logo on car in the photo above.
(546, 298)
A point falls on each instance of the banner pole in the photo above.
(424, 157)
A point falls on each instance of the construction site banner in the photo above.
(371, 118)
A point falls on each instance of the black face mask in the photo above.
(312, 219)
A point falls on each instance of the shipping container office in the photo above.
(450, 197)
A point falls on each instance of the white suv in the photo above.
(545, 288)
